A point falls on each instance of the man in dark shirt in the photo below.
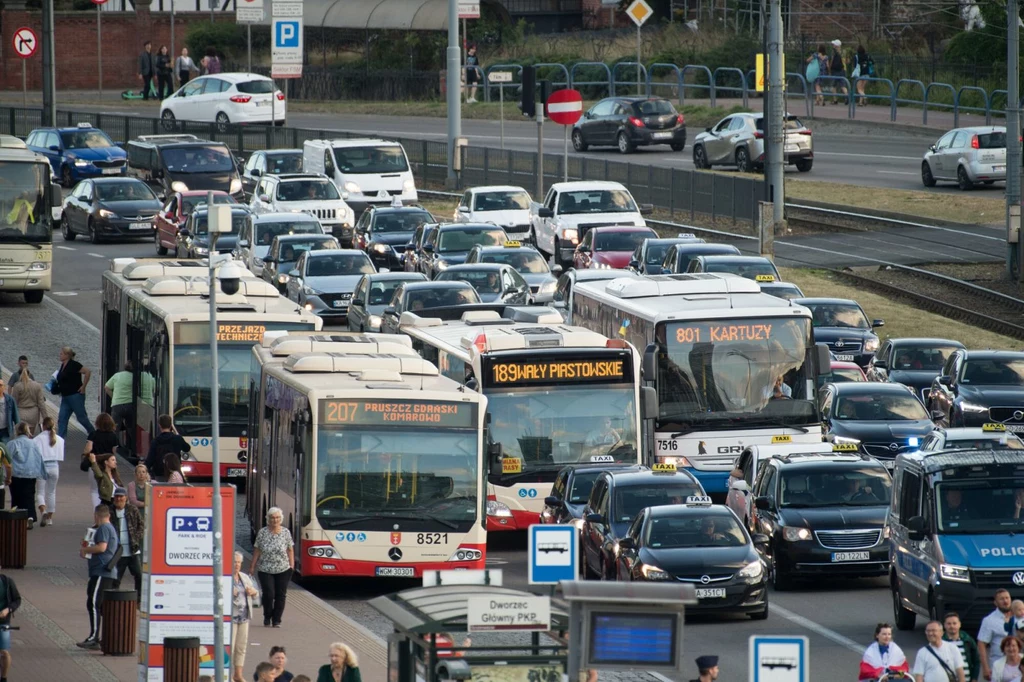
(127, 519)
(72, 380)
(147, 67)
(100, 549)
(166, 441)
(10, 601)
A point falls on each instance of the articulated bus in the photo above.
(163, 329)
(376, 462)
(731, 366)
(556, 394)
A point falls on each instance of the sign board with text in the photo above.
(503, 612)
(499, 77)
(469, 9)
(249, 10)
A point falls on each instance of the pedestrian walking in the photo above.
(183, 67)
(10, 601)
(211, 62)
(8, 413)
(70, 384)
(31, 401)
(837, 69)
(994, 627)
(243, 593)
(51, 446)
(122, 407)
(99, 448)
(130, 533)
(938, 661)
(278, 659)
(164, 75)
(167, 441)
(137, 488)
(26, 468)
(172, 465)
(104, 470)
(22, 366)
(472, 73)
(863, 67)
(965, 643)
(147, 68)
(273, 560)
(1008, 668)
(101, 547)
(817, 66)
(344, 666)
(707, 668)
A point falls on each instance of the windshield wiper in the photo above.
(335, 523)
(22, 240)
(429, 517)
(781, 424)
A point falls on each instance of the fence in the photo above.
(679, 192)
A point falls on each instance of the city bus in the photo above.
(731, 366)
(30, 206)
(556, 394)
(376, 463)
(163, 329)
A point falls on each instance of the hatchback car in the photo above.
(738, 140)
(194, 237)
(418, 296)
(257, 236)
(451, 243)
(628, 123)
(648, 257)
(966, 156)
(322, 281)
(225, 98)
(78, 153)
(506, 206)
(913, 362)
(494, 282)
(383, 232)
(372, 295)
(841, 324)
(285, 250)
(610, 248)
(678, 256)
(175, 212)
(269, 162)
(527, 261)
(757, 268)
(103, 208)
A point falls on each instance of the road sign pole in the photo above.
(540, 156)
(248, 44)
(501, 109)
(24, 86)
(638, 92)
(99, 52)
(565, 158)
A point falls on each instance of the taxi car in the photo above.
(992, 436)
(572, 486)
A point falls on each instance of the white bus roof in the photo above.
(278, 345)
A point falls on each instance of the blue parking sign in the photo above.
(286, 33)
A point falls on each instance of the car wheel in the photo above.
(804, 165)
(577, 141)
(962, 180)
(743, 160)
(678, 146)
(700, 158)
(167, 118)
(762, 614)
(161, 250)
(65, 176)
(33, 297)
(223, 122)
(625, 144)
(904, 618)
(990, 182)
(94, 237)
(780, 582)
(927, 179)
(65, 229)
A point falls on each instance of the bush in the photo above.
(225, 37)
(981, 46)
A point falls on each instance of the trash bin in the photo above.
(181, 659)
(13, 538)
(119, 622)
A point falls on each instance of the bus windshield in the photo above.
(24, 215)
(192, 386)
(980, 506)
(380, 473)
(739, 373)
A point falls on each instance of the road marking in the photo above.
(817, 628)
(868, 156)
(895, 173)
(63, 293)
(96, 255)
(67, 248)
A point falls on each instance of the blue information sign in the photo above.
(554, 554)
(774, 658)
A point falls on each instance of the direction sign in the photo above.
(500, 77)
(778, 659)
(565, 106)
(26, 42)
(508, 612)
(246, 10)
(639, 11)
(554, 554)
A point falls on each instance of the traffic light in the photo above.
(545, 92)
(527, 104)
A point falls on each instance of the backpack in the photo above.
(870, 63)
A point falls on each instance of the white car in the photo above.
(310, 193)
(225, 98)
(506, 206)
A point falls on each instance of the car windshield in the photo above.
(844, 487)
(86, 139)
(880, 407)
(994, 140)
(456, 294)
(382, 291)
(399, 221)
(846, 374)
(653, 107)
(994, 372)
(523, 260)
(991, 505)
(842, 315)
(213, 159)
(787, 291)
(290, 251)
(450, 241)
(265, 232)
(596, 201)
(373, 159)
(619, 241)
(747, 269)
(279, 163)
(516, 200)
(656, 253)
(694, 530)
(190, 202)
(338, 264)
(112, 192)
(685, 256)
(1003, 442)
(913, 358)
(582, 484)
(630, 500)
(307, 190)
(238, 221)
(484, 281)
(24, 214)
(255, 87)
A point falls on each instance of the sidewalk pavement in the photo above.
(52, 617)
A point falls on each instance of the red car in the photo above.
(174, 213)
(847, 371)
(610, 247)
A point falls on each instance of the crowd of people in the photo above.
(827, 73)
(170, 73)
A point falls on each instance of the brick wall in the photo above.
(826, 20)
(75, 37)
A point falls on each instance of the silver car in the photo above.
(966, 156)
(738, 140)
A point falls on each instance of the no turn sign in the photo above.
(26, 42)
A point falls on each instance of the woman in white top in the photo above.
(52, 447)
(1008, 668)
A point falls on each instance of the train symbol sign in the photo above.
(26, 42)
(554, 553)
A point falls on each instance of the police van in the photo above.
(956, 533)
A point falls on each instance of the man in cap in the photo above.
(707, 667)
(127, 521)
(837, 68)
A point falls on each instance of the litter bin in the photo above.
(13, 538)
(181, 659)
(119, 622)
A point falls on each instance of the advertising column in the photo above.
(177, 592)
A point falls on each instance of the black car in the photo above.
(269, 162)
(842, 325)
(419, 296)
(882, 420)
(628, 123)
(571, 490)
(372, 295)
(784, 290)
(678, 256)
(194, 237)
(976, 387)
(757, 268)
(651, 253)
(103, 208)
(450, 243)
(915, 363)
(562, 299)
(181, 162)
(616, 499)
(704, 545)
(494, 282)
(384, 231)
(824, 515)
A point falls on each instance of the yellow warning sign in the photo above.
(511, 465)
(761, 73)
(639, 11)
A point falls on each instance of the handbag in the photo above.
(949, 671)
(856, 71)
(257, 601)
(51, 385)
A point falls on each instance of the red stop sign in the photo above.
(565, 106)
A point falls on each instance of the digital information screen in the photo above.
(187, 333)
(398, 413)
(559, 370)
(624, 639)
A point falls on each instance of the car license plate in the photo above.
(263, 104)
(844, 358)
(710, 592)
(1015, 428)
(792, 148)
(111, 171)
(236, 472)
(140, 226)
(662, 136)
(340, 304)
(850, 556)
(396, 572)
(999, 169)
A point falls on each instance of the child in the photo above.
(265, 672)
(1017, 606)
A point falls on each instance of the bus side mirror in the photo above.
(494, 454)
(55, 194)
(648, 402)
(823, 358)
(649, 365)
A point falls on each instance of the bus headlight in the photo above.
(323, 552)
(39, 266)
(495, 508)
(466, 554)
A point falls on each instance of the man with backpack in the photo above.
(167, 441)
(10, 601)
(863, 67)
(837, 68)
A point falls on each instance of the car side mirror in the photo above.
(357, 301)
(740, 486)
(552, 501)
(463, 209)
(881, 364)
(635, 264)
(916, 527)
(583, 249)
(255, 172)
(877, 323)
(760, 539)
(545, 212)
(295, 274)
(646, 209)
(626, 543)
(244, 243)
(390, 310)
(937, 415)
(946, 381)
(268, 261)
(556, 269)
(410, 247)
(264, 198)
(762, 503)
(428, 248)
(595, 518)
(54, 148)
(707, 130)
(931, 148)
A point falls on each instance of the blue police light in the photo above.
(913, 441)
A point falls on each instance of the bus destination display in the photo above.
(753, 330)
(558, 370)
(397, 413)
(188, 333)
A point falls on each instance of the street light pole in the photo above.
(454, 84)
(777, 108)
(1013, 151)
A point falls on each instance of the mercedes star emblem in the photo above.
(1018, 415)
(705, 579)
(894, 446)
(839, 343)
(1018, 578)
(394, 554)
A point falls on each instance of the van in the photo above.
(367, 171)
(955, 535)
(181, 163)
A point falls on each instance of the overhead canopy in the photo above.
(404, 15)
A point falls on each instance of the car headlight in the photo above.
(972, 407)
(570, 234)
(104, 213)
(81, 163)
(441, 264)
(654, 573)
(310, 291)
(38, 266)
(954, 573)
(547, 287)
(578, 524)
(257, 262)
(753, 570)
(282, 279)
(499, 509)
(466, 554)
(375, 322)
(201, 250)
(409, 186)
(793, 534)
(236, 186)
(179, 186)
(885, 532)
(845, 439)
(871, 345)
(352, 187)
(381, 248)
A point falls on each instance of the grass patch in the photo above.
(901, 320)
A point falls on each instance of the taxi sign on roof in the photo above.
(698, 500)
(664, 468)
(781, 439)
(844, 447)
(601, 459)
(765, 278)
(512, 245)
(993, 427)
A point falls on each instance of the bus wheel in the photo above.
(33, 297)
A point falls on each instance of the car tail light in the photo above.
(974, 142)
(280, 97)
(758, 135)
(635, 122)
(680, 120)
(805, 132)
(241, 99)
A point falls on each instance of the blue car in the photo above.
(78, 153)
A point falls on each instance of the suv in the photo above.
(257, 236)
(748, 465)
(384, 231)
(738, 140)
(913, 362)
(980, 386)
(179, 163)
(306, 193)
(77, 153)
(824, 515)
(648, 257)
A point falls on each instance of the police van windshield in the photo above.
(987, 506)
